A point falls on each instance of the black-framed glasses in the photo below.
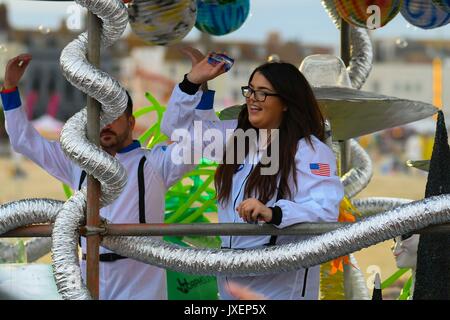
(259, 95)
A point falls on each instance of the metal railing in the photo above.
(199, 229)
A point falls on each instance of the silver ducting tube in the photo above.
(66, 265)
(33, 250)
(361, 48)
(21, 213)
(37, 248)
(357, 281)
(8, 252)
(96, 162)
(373, 205)
(88, 78)
(303, 254)
(358, 177)
(91, 158)
(28, 211)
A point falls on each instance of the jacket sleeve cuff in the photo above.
(11, 99)
(277, 215)
(207, 101)
(188, 87)
(9, 90)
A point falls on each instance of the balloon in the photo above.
(162, 22)
(359, 13)
(424, 14)
(444, 5)
(220, 17)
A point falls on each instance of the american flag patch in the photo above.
(320, 169)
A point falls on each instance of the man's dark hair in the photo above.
(129, 109)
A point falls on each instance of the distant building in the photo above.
(412, 81)
(44, 90)
(409, 50)
(158, 69)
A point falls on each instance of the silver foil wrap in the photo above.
(357, 282)
(25, 212)
(374, 205)
(88, 78)
(358, 177)
(28, 211)
(361, 48)
(111, 174)
(8, 252)
(37, 248)
(367, 207)
(33, 250)
(66, 267)
(91, 158)
(280, 258)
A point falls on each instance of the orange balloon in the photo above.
(359, 12)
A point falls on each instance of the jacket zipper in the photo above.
(234, 203)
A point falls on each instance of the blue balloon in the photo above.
(424, 14)
(220, 17)
(444, 5)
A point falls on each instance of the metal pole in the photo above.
(200, 229)
(345, 56)
(344, 146)
(212, 229)
(345, 42)
(93, 186)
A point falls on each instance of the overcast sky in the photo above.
(303, 20)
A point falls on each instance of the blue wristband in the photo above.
(11, 100)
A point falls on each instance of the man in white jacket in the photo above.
(120, 277)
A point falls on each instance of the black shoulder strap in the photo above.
(82, 177)
(273, 238)
(141, 186)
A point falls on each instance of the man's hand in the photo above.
(252, 210)
(15, 70)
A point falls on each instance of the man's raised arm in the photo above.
(23, 136)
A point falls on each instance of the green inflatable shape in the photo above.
(183, 286)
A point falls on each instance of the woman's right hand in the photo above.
(203, 71)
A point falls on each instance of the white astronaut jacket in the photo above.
(316, 200)
(126, 278)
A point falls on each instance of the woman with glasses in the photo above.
(284, 115)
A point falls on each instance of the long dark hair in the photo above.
(302, 119)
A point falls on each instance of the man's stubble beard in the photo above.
(115, 143)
